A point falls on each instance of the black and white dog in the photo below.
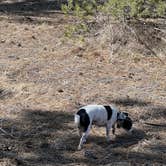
(100, 115)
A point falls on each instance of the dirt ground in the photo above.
(44, 80)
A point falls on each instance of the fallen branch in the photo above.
(154, 124)
(160, 30)
(8, 134)
(144, 43)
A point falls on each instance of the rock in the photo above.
(26, 29)
(80, 55)
(3, 41)
(80, 73)
(60, 90)
(19, 45)
(33, 37)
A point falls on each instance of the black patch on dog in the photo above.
(118, 115)
(109, 111)
(84, 119)
(125, 113)
(127, 123)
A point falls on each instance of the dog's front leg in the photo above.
(108, 127)
(80, 131)
(84, 137)
(82, 141)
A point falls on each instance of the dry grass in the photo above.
(43, 81)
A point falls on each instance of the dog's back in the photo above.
(92, 113)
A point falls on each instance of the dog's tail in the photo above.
(77, 119)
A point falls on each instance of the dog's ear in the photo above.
(126, 113)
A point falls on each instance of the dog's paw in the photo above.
(79, 147)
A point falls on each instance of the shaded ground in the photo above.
(43, 81)
(30, 7)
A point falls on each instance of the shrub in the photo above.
(117, 8)
(88, 11)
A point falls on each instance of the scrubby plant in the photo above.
(123, 10)
(118, 8)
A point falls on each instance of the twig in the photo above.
(141, 41)
(163, 39)
(3, 131)
(132, 30)
(160, 30)
(154, 124)
(4, 93)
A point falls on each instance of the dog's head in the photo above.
(124, 121)
(122, 115)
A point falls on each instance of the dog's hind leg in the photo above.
(108, 132)
(113, 129)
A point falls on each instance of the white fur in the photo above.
(77, 119)
(98, 113)
(130, 131)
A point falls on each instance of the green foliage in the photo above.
(80, 8)
(67, 8)
(79, 29)
(151, 8)
(119, 9)
(135, 8)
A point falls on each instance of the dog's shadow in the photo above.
(123, 139)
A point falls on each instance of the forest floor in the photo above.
(44, 80)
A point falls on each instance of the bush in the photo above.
(88, 11)
(117, 8)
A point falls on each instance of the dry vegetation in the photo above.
(43, 80)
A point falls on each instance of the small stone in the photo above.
(60, 90)
(158, 137)
(19, 45)
(2, 41)
(9, 148)
(12, 42)
(33, 37)
(80, 55)
(29, 19)
(131, 75)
